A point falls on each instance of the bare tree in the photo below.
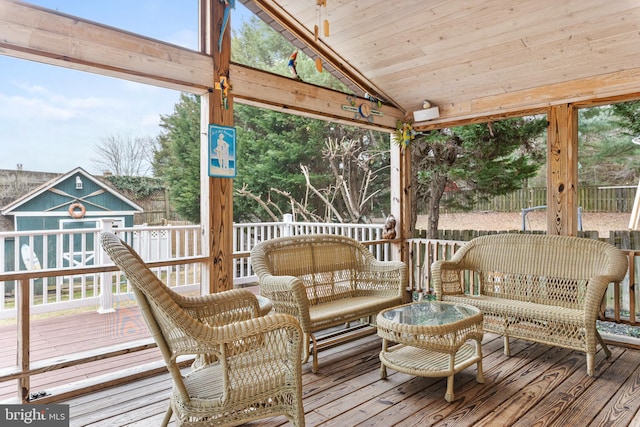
(125, 155)
(351, 163)
(267, 205)
(345, 199)
(272, 208)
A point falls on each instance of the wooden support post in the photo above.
(217, 193)
(407, 200)
(24, 338)
(397, 200)
(562, 171)
(402, 206)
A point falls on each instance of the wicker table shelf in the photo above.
(434, 339)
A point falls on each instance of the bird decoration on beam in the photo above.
(293, 61)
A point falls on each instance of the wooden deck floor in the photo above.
(537, 386)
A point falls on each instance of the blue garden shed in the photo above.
(75, 200)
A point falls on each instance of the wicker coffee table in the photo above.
(434, 339)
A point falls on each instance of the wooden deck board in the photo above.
(57, 336)
(597, 398)
(417, 393)
(527, 386)
(538, 385)
(562, 396)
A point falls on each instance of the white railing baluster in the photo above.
(71, 249)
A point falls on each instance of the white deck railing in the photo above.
(64, 285)
(71, 251)
(422, 253)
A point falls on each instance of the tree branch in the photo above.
(328, 204)
(244, 192)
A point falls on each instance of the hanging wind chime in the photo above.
(321, 6)
(321, 23)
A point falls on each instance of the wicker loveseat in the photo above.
(326, 280)
(541, 288)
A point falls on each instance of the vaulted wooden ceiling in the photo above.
(471, 58)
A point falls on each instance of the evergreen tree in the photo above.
(627, 115)
(606, 153)
(625, 149)
(178, 159)
(272, 146)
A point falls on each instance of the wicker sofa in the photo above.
(325, 281)
(541, 288)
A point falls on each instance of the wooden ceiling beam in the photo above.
(37, 34)
(619, 86)
(267, 90)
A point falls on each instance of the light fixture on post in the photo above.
(427, 113)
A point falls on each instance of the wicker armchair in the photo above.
(255, 370)
(326, 280)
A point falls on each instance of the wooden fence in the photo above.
(590, 199)
(157, 208)
(466, 235)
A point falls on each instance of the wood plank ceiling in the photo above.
(471, 58)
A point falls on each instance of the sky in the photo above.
(52, 118)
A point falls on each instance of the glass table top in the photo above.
(429, 313)
(265, 304)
